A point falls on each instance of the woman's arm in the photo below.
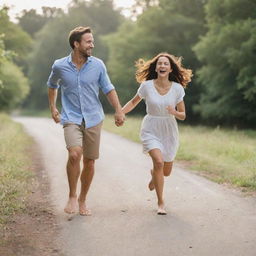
(180, 113)
(130, 105)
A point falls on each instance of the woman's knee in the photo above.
(167, 169)
(167, 172)
(158, 164)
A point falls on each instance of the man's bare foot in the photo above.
(83, 210)
(151, 185)
(161, 210)
(71, 205)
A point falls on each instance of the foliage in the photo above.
(15, 39)
(31, 22)
(229, 56)
(14, 86)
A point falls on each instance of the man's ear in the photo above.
(76, 44)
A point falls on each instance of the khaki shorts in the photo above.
(87, 138)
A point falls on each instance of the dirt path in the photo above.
(203, 218)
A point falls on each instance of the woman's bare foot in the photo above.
(83, 210)
(71, 205)
(161, 210)
(151, 185)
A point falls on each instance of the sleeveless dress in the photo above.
(159, 128)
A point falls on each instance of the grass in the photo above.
(15, 175)
(222, 155)
(130, 130)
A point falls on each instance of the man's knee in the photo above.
(74, 155)
(89, 163)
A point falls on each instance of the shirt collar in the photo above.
(70, 59)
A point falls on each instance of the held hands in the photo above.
(119, 118)
(55, 115)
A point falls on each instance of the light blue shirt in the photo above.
(80, 89)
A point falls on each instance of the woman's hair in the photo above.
(146, 70)
(76, 34)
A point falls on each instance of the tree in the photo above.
(15, 39)
(31, 22)
(141, 6)
(228, 54)
(13, 84)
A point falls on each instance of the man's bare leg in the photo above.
(86, 180)
(73, 172)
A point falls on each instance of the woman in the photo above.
(163, 80)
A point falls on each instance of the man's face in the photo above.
(86, 45)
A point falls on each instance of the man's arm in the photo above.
(114, 101)
(52, 96)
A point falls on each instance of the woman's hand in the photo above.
(171, 110)
(180, 113)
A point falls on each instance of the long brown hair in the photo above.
(146, 70)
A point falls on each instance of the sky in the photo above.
(18, 5)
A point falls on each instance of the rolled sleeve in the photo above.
(53, 78)
(104, 81)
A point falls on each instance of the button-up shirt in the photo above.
(80, 89)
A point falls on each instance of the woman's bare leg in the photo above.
(167, 168)
(151, 185)
(158, 177)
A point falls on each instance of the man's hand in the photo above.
(55, 115)
(119, 118)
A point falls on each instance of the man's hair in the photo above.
(76, 34)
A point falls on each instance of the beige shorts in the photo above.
(87, 138)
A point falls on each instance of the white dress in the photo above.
(159, 129)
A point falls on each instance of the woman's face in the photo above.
(163, 67)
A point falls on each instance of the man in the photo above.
(80, 76)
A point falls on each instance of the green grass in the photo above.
(222, 155)
(15, 176)
(130, 130)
